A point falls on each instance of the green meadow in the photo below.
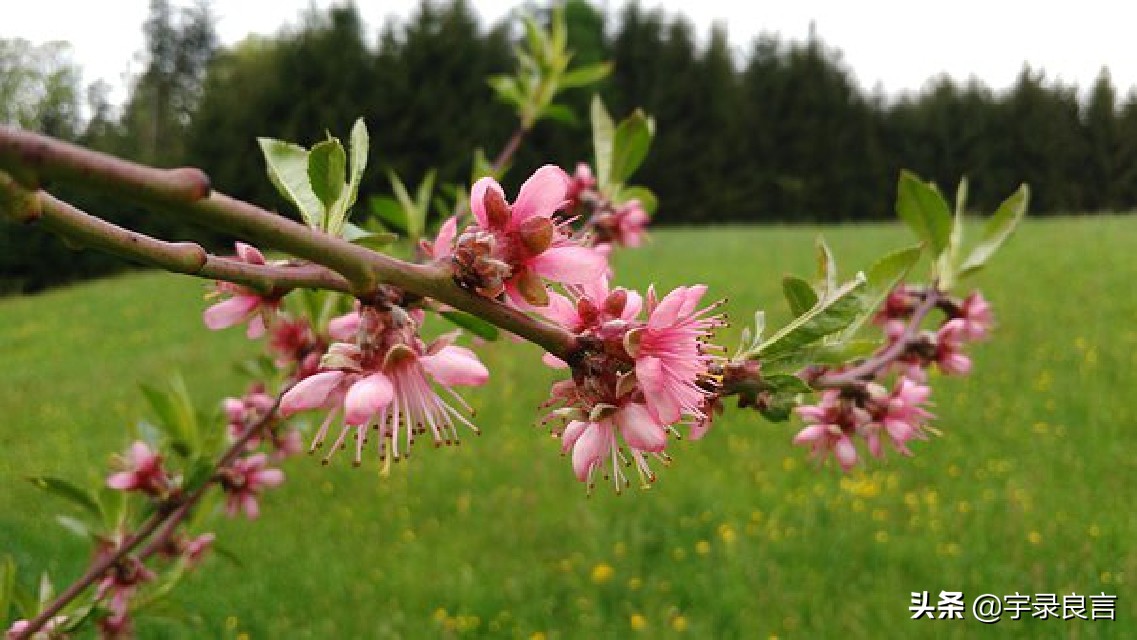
(1031, 488)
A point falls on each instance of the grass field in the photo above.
(1032, 488)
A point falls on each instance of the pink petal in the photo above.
(570, 264)
(596, 290)
(691, 299)
(845, 452)
(478, 199)
(256, 327)
(700, 428)
(367, 397)
(454, 365)
(589, 448)
(250, 254)
(140, 454)
(632, 306)
(667, 313)
(560, 310)
(444, 243)
(344, 328)
(572, 433)
(811, 434)
(229, 312)
(269, 478)
(123, 481)
(542, 194)
(650, 374)
(252, 509)
(639, 429)
(553, 362)
(311, 392)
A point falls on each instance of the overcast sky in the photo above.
(896, 44)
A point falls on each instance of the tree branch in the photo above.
(166, 519)
(31, 158)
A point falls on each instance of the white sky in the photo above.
(894, 43)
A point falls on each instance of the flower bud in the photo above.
(536, 234)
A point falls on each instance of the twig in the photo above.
(167, 519)
(31, 158)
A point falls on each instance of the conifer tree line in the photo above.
(773, 131)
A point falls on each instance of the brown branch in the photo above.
(871, 367)
(166, 519)
(31, 158)
(186, 258)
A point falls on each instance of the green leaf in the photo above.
(647, 199)
(389, 212)
(288, 170)
(603, 134)
(785, 383)
(799, 294)
(360, 148)
(560, 113)
(881, 277)
(7, 586)
(826, 268)
(46, 590)
(376, 241)
(473, 324)
(921, 206)
(68, 491)
(74, 525)
(415, 219)
(828, 316)
(507, 90)
(583, 76)
(176, 414)
(629, 146)
(327, 172)
(998, 228)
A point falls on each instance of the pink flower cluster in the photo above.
(378, 377)
(243, 304)
(637, 378)
(514, 248)
(250, 412)
(607, 223)
(867, 410)
(243, 480)
(874, 415)
(142, 471)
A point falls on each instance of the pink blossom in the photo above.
(244, 479)
(670, 359)
(119, 584)
(899, 415)
(513, 246)
(596, 443)
(977, 317)
(247, 412)
(244, 304)
(443, 245)
(142, 472)
(196, 549)
(384, 382)
(625, 224)
(949, 348)
(53, 629)
(831, 423)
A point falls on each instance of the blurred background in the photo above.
(766, 140)
(753, 128)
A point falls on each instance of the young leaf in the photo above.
(945, 266)
(799, 294)
(389, 212)
(560, 113)
(785, 383)
(288, 171)
(360, 148)
(826, 268)
(7, 585)
(828, 316)
(473, 324)
(603, 134)
(922, 208)
(68, 491)
(647, 199)
(327, 172)
(629, 146)
(507, 90)
(1000, 227)
(583, 76)
(881, 277)
(74, 525)
(415, 218)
